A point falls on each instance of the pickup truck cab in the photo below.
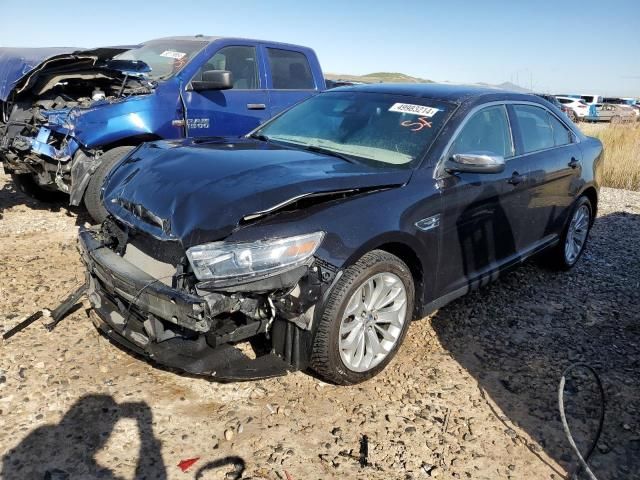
(67, 120)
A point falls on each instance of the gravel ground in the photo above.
(472, 393)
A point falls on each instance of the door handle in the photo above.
(574, 163)
(256, 106)
(516, 179)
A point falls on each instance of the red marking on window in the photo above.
(418, 125)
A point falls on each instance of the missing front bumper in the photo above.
(171, 327)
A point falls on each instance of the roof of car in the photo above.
(437, 91)
(211, 38)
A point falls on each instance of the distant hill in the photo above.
(377, 77)
(395, 77)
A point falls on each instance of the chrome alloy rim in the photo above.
(372, 321)
(577, 234)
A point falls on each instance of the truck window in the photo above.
(289, 70)
(240, 61)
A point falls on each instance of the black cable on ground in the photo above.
(567, 431)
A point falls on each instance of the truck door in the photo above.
(230, 112)
(289, 78)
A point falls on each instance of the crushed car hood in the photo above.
(201, 191)
(20, 66)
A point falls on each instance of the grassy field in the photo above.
(622, 153)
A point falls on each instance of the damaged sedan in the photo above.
(312, 242)
(67, 115)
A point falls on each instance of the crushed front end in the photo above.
(146, 297)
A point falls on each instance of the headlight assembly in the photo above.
(219, 261)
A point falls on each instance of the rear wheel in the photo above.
(92, 196)
(574, 237)
(365, 320)
(572, 116)
(616, 119)
(29, 186)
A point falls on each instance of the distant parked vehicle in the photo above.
(576, 105)
(563, 108)
(624, 103)
(592, 99)
(610, 112)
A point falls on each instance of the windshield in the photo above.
(165, 57)
(376, 128)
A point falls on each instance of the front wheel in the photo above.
(365, 319)
(93, 193)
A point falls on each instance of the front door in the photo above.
(480, 223)
(230, 112)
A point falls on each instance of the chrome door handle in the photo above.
(256, 106)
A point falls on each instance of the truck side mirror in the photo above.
(213, 80)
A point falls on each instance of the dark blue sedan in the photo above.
(315, 240)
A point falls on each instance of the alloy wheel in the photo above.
(372, 321)
(577, 234)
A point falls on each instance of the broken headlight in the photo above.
(223, 260)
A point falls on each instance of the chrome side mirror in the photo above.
(474, 163)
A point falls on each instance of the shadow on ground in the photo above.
(516, 344)
(10, 197)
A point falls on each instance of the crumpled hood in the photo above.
(200, 191)
(19, 66)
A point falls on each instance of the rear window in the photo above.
(535, 129)
(290, 70)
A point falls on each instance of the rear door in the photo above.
(235, 111)
(482, 212)
(549, 147)
(289, 77)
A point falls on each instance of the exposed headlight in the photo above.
(239, 261)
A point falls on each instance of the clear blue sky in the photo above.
(557, 45)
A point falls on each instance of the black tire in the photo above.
(572, 116)
(325, 358)
(556, 258)
(92, 196)
(28, 185)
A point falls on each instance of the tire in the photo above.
(616, 120)
(573, 117)
(383, 269)
(28, 185)
(557, 258)
(92, 195)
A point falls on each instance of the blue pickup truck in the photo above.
(67, 115)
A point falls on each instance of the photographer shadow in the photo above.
(67, 450)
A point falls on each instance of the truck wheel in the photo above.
(574, 237)
(92, 196)
(28, 185)
(365, 319)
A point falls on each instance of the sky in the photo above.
(553, 46)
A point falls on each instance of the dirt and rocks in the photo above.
(472, 393)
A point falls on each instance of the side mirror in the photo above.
(474, 163)
(213, 80)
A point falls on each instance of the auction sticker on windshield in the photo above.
(414, 109)
(172, 54)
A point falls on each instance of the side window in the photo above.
(289, 70)
(487, 131)
(534, 127)
(561, 134)
(240, 61)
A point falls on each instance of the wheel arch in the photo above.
(406, 248)
(592, 194)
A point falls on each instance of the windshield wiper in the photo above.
(259, 136)
(326, 151)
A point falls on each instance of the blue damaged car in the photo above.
(68, 115)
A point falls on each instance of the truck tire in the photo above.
(92, 196)
(28, 185)
(365, 319)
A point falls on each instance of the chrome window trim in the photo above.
(437, 171)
